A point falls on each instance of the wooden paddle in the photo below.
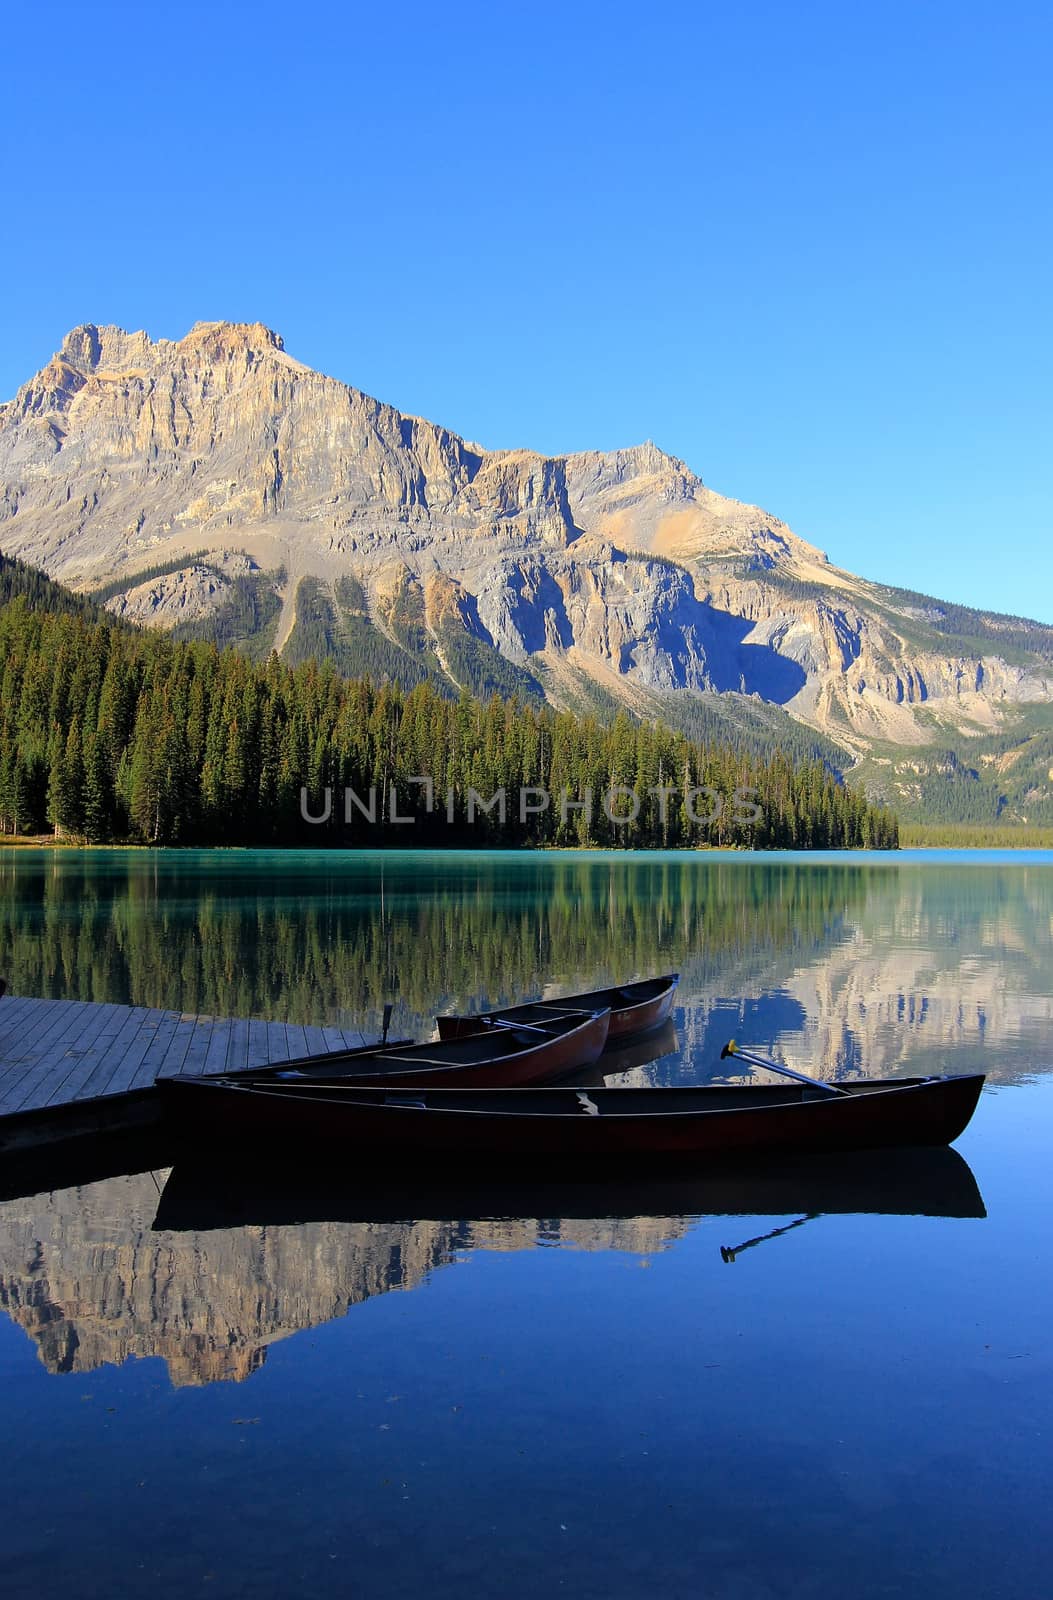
(502, 1022)
(732, 1049)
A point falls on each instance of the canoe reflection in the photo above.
(618, 1058)
(923, 1182)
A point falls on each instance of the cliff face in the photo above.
(124, 457)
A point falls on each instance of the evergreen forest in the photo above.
(114, 734)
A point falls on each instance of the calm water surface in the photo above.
(216, 1382)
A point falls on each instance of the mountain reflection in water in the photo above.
(205, 1268)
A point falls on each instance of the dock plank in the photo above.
(149, 1068)
(12, 1012)
(10, 1090)
(277, 1043)
(124, 1077)
(194, 1061)
(218, 1047)
(127, 1027)
(40, 1019)
(238, 1047)
(259, 1044)
(176, 1054)
(84, 1057)
(46, 1061)
(36, 1042)
(296, 1039)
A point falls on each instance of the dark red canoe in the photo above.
(336, 1063)
(716, 1122)
(501, 1057)
(635, 1008)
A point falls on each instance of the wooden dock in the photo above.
(71, 1067)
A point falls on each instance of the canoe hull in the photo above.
(635, 1010)
(523, 1061)
(558, 1123)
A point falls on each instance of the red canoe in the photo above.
(635, 1008)
(499, 1058)
(583, 1124)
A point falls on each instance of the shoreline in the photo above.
(1038, 840)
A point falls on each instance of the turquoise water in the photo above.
(233, 1382)
(858, 964)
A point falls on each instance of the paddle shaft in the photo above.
(732, 1049)
(502, 1022)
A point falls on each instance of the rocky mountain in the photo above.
(217, 486)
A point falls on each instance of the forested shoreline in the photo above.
(973, 836)
(111, 734)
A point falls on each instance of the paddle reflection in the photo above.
(206, 1268)
(731, 1252)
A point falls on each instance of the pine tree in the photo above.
(66, 781)
(98, 798)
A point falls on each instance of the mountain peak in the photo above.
(91, 346)
(245, 334)
(634, 461)
(652, 456)
(82, 346)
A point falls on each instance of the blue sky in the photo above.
(805, 247)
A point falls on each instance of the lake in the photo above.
(215, 1381)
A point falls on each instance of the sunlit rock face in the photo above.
(218, 457)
